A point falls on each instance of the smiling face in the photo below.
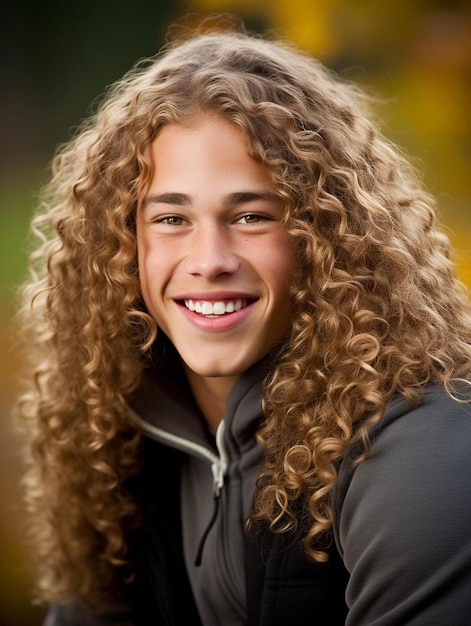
(214, 258)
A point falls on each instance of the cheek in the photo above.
(280, 261)
(149, 271)
(157, 267)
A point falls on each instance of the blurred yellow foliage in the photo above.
(303, 21)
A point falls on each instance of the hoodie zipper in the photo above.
(218, 462)
(218, 483)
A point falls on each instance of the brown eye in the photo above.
(252, 218)
(171, 220)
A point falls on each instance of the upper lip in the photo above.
(215, 296)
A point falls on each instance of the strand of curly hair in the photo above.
(377, 310)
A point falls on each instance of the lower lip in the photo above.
(217, 324)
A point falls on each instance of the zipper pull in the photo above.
(218, 469)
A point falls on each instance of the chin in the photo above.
(218, 370)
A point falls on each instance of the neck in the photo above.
(211, 394)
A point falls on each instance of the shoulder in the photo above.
(402, 517)
(419, 453)
(434, 432)
(435, 407)
(415, 441)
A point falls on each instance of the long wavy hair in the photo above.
(376, 309)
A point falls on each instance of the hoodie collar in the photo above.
(164, 403)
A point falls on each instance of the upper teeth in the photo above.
(215, 308)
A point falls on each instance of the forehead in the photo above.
(209, 150)
(202, 128)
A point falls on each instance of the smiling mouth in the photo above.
(208, 308)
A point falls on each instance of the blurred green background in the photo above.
(58, 57)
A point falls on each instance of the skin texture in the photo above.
(209, 230)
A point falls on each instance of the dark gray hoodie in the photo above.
(218, 482)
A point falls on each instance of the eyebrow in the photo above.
(232, 199)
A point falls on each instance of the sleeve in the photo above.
(404, 526)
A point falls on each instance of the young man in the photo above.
(251, 359)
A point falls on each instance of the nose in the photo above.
(211, 253)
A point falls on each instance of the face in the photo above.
(214, 258)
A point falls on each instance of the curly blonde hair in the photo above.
(377, 310)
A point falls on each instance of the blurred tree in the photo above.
(58, 57)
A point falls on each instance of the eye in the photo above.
(252, 218)
(170, 220)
